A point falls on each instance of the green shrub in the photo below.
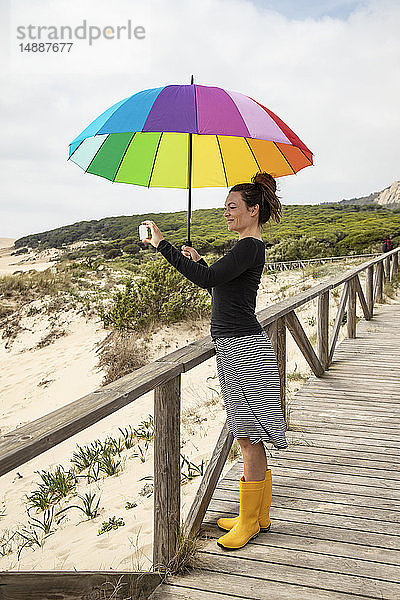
(161, 295)
(113, 253)
(131, 249)
(292, 248)
(126, 242)
(112, 523)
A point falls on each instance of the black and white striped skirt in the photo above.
(249, 378)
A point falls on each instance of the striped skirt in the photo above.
(249, 378)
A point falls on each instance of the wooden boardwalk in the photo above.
(336, 491)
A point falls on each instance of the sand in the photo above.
(23, 262)
(34, 382)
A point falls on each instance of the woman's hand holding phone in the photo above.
(156, 235)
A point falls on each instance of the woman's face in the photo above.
(238, 215)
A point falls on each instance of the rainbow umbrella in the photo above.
(185, 136)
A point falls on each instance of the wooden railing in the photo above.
(302, 263)
(164, 377)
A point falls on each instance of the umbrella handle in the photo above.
(189, 243)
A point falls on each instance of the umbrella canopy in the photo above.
(185, 136)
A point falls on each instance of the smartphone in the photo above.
(143, 232)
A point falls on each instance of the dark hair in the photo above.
(261, 191)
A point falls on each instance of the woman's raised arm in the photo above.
(237, 260)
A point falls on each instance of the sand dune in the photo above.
(6, 242)
(23, 262)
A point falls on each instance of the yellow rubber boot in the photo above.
(263, 518)
(247, 526)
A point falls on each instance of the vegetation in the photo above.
(128, 296)
(192, 470)
(112, 523)
(391, 288)
(186, 557)
(61, 485)
(25, 287)
(333, 228)
(90, 508)
(53, 488)
(50, 292)
(160, 295)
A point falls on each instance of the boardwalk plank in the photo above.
(215, 586)
(330, 418)
(346, 458)
(315, 560)
(257, 574)
(298, 523)
(297, 440)
(352, 395)
(358, 418)
(337, 383)
(355, 392)
(284, 486)
(339, 438)
(331, 519)
(344, 478)
(308, 543)
(390, 489)
(370, 465)
(322, 503)
(319, 438)
(352, 452)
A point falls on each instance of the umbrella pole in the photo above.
(188, 242)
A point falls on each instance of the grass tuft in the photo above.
(122, 353)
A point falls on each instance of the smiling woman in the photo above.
(246, 362)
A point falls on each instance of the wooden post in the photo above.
(395, 263)
(338, 320)
(351, 309)
(369, 291)
(301, 339)
(379, 282)
(208, 483)
(167, 484)
(281, 358)
(323, 329)
(361, 297)
(276, 332)
(387, 268)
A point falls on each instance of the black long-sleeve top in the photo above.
(232, 281)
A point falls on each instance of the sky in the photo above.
(330, 70)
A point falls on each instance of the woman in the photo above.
(246, 362)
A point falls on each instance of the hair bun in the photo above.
(264, 178)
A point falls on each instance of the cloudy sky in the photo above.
(329, 69)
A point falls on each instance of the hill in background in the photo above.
(389, 197)
(306, 231)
